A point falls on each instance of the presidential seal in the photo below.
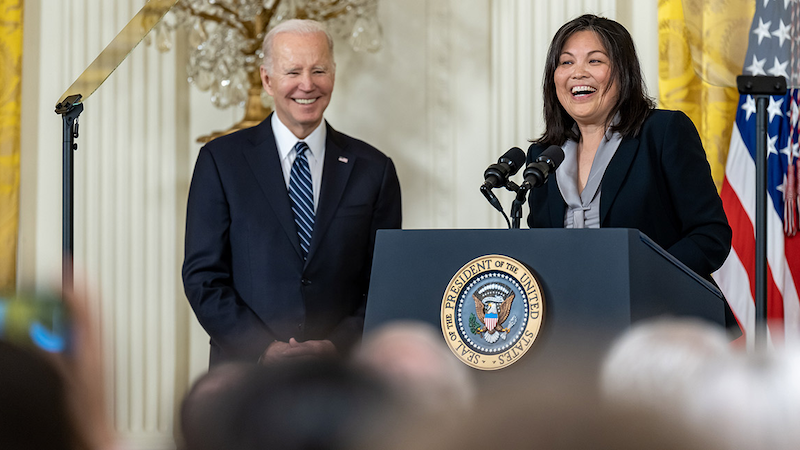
(491, 312)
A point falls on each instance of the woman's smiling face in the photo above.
(583, 80)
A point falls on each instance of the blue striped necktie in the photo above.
(301, 191)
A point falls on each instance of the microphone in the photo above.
(508, 164)
(537, 172)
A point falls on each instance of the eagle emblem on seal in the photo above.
(492, 307)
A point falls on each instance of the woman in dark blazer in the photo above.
(627, 164)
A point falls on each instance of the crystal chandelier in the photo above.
(225, 39)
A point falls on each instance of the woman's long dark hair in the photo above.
(633, 104)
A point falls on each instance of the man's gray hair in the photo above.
(293, 26)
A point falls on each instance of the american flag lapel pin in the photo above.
(342, 159)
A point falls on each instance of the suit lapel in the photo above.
(265, 163)
(617, 170)
(338, 166)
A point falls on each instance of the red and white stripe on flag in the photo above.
(771, 51)
(490, 320)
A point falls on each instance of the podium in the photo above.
(594, 281)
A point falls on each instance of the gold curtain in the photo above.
(711, 108)
(10, 108)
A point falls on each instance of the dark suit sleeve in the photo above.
(706, 235)
(207, 274)
(542, 201)
(386, 214)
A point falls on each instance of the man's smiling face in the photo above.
(300, 80)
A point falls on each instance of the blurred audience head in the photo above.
(204, 420)
(657, 363)
(306, 405)
(752, 401)
(548, 400)
(686, 372)
(414, 360)
(34, 404)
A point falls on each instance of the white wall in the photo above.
(456, 83)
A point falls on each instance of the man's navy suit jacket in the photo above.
(243, 272)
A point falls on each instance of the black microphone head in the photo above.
(554, 154)
(515, 158)
(537, 172)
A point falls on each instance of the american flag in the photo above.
(772, 50)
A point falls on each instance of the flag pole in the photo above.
(69, 109)
(761, 87)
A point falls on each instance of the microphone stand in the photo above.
(516, 207)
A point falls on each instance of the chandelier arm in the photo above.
(213, 17)
(341, 10)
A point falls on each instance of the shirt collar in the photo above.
(609, 133)
(286, 140)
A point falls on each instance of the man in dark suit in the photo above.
(281, 217)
